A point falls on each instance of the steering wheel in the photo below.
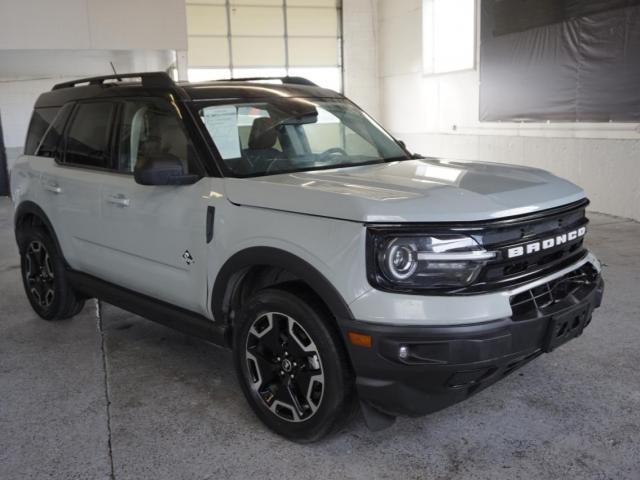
(326, 156)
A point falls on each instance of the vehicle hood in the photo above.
(424, 190)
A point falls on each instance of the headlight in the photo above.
(425, 261)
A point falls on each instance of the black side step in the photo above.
(155, 310)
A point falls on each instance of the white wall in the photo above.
(93, 24)
(360, 59)
(24, 75)
(438, 115)
(15, 96)
(43, 42)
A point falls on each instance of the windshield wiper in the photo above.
(398, 159)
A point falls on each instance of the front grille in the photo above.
(507, 272)
(570, 288)
(503, 272)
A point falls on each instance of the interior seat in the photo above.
(262, 140)
(157, 134)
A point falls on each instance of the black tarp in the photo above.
(560, 60)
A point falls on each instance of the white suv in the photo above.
(282, 221)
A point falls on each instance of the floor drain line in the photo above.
(106, 384)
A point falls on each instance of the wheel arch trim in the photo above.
(274, 257)
(30, 208)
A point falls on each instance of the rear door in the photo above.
(76, 182)
(47, 153)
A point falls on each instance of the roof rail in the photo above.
(284, 80)
(148, 79)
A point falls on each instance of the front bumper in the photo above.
(443, 365)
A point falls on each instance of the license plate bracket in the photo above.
(565, 326)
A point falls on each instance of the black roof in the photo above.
(159, 83)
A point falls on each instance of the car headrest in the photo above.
(263, 134)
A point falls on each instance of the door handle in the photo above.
(52, 187)
(119, 200)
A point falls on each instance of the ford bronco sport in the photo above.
(283, 222)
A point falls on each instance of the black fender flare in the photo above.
(274, 257)
(30, 208)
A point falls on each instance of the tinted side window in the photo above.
(52, 144)
(40, 122)
(88, 136)
(151, 129)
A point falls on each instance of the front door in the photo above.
(154, 237)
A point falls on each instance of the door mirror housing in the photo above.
(162, 170)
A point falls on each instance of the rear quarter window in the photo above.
(40, 122)
(52, 143)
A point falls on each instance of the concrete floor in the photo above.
(117, 396)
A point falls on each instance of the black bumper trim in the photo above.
(447, 364)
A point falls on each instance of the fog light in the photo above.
(403, 352)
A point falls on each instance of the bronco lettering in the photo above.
(547, 243)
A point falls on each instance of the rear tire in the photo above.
(292, 365)
(44, 277)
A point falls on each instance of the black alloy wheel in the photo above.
(44, 277)
(39, 274)
(285, 367)
(292, 364)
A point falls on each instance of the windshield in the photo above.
(281, 134)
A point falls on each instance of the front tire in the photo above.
(44, 277)
(292, 365)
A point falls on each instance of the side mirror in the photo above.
(163, 170)
(404, 147)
